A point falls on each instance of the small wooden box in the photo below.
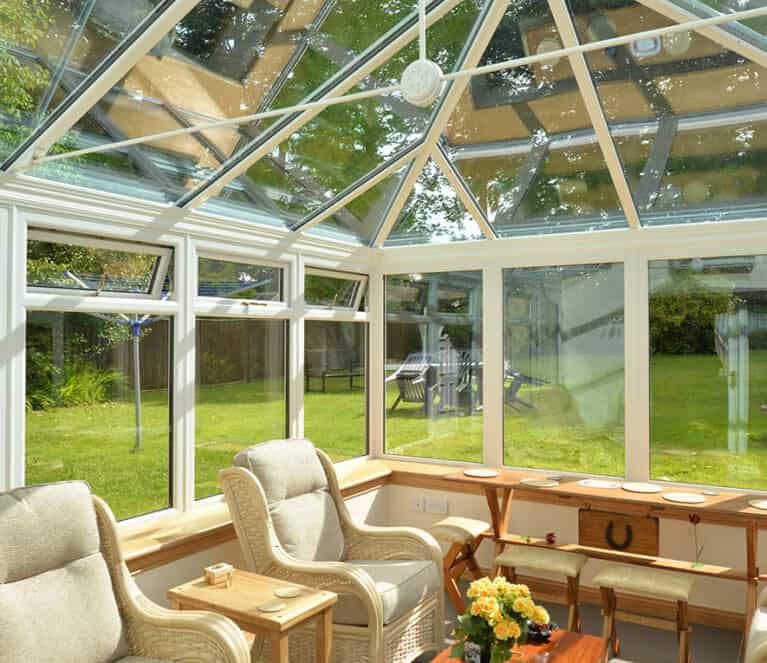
(219, 574)
(618, 531)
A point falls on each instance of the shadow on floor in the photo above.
(640, 644)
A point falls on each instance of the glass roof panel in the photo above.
(224, 59)
(41, 42)
(360, 219)
(693, 110)
(346, 142)
(522, 139)
(433, 213)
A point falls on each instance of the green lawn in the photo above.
(689, 434)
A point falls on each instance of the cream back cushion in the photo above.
(57, 603)
(303, 512)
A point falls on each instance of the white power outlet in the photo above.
(436, 506)
(419, 504)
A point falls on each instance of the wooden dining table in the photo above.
(728, 508)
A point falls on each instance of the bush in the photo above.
(85, 384)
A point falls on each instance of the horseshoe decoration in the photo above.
(613, 543)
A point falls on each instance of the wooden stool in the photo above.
(643, 581)
(464, 536)
(549, 561)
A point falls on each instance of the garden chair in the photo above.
(66, 595)
(411, 379)
(294, 525)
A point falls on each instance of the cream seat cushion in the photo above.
(458, 530)
(401, 584)
(542, 559)
(641, 580)
(756, 646)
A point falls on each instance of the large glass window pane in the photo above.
(238, 280)
(98, 406)
(241, 392)
(334, 391)
(92, 267)
(434, 365)
(708, 370)
(563, 382)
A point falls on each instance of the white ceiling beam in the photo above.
(464, 195)
(481, 35)
(569, 37)
(386, 53)
(715, 33)
(114, 69)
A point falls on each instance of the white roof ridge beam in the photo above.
(715, 33)
(464, 194)
(482, 33)
(569, 37)
(357, 190)
(117, 69)
(358, 75)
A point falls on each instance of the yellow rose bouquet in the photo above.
(497, 619)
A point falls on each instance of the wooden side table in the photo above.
(249, 590)
(564, 647)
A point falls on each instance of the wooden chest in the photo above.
(618, 531)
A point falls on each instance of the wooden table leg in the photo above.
(491, 495)
(752, 585)
(324, 635)
(280, 647)
(500, 518)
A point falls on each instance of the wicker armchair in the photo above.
(293, 524)
(66, 595)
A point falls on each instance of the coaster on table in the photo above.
(598, 483)
(684, 498)
(272, 606)
(759, 504)
(539, 483)
(641, 487)
(481, 473)
(287, 592)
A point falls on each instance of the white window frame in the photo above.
(71, 239)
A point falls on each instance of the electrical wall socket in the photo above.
(436, 506)
(419, 504)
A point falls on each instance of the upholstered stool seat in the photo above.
(464, 536)
(756, 645)
(642, 581)
(559, 562)
(541, 559)
(459, 530)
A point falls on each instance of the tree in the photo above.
(22, 24)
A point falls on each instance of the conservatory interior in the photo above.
(383, 331)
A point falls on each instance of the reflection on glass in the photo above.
(241, 392)
(238, 280)
(696, 106)
(75, 267)
(47, 48)
(433, 213)
(708, 383)
(563, 368)
(334, 391)
(321, 289)
(434, 365)
(98, 406)
(522, 139)
(362, 217)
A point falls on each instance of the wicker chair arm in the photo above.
(367, 542)
(156, 632)
(335, 577)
